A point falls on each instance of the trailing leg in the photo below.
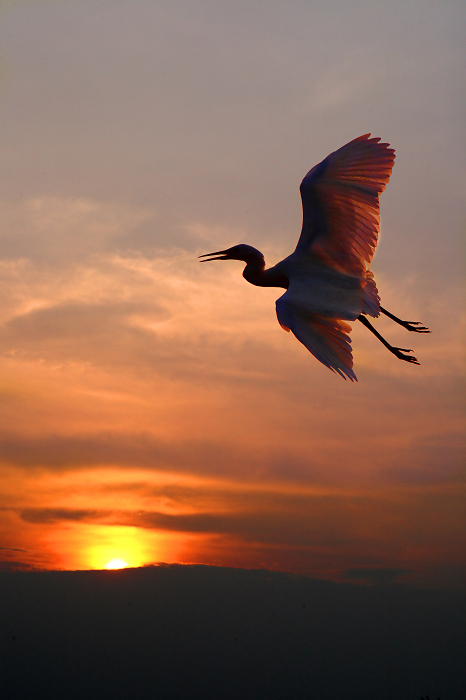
(415, 326)
(396, 351)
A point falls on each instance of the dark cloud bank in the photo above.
(207, 632)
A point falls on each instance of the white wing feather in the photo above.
(326, 338)
(340, 198)
(341, 218)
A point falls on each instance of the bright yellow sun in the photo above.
(116, 564)
(118, 547)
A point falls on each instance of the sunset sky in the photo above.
(151, 408)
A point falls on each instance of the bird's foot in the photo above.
(415, 326)
(399, 354)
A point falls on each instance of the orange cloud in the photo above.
(158, 397)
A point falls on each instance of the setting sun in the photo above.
(115, 547)
(116, 564)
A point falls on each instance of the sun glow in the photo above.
(116, 564)
(118, 547)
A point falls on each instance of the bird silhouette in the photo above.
(327, 278)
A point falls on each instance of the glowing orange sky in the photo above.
(151, 409)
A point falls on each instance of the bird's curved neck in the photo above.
(256, 274)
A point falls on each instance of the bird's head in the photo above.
(243, 252)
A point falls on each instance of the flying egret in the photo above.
(327, 278)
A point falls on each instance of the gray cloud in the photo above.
(17, 565)
(334, 521)
(218, 458)
(156, 104)
(277, 527)
(209, 458)
(28, 560)
(71, 322)
(53, 515)
(295, 529)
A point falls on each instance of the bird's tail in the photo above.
(371, 299)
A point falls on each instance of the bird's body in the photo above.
(327, 278)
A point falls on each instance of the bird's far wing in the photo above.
(340, 198)
(326, 338)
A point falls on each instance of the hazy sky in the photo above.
(152, 408)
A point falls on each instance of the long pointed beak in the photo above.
(221, 256)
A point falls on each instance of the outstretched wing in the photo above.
(326, 338)
(340, 198)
